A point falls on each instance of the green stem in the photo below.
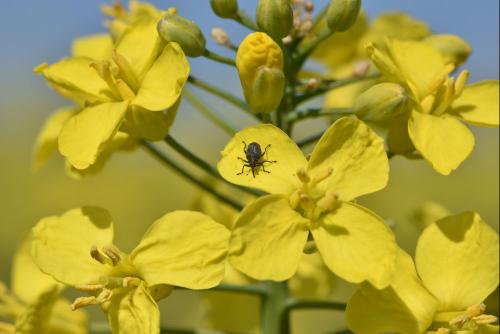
(332, 85)
(186, 153)
(292, 304)
(313, 113)
(243, 19)
(209, 113)
(218, 58)
(163, 158)
(277, 296)
(235, 101)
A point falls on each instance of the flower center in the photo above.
(308, 199)
(470, 319)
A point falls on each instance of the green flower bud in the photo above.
(452, 47)
(267, 90)
(275, 17)
(224, 8)
(342, 14)
(381, 102)
(175, 28)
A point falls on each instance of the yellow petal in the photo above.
(398, 139)
(28, 282)
(281, 178)
(85, 135)
(183, 248)
(75, 79)
(97, 47)
(457, 259)
(132, 311)
(267, 239)
(120, 142)
(46, 142)
(63, 320)
(357, 156)
(356, 245)
(61, 245)
(36, 316)
(420, 64)
(443, 141)
(163, 83)
(405, 306)
(140, 45)
(478, 104)
(150, 125)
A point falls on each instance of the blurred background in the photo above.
(137, 190)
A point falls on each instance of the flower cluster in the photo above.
(274, 214)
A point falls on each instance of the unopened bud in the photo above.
(175, 28)
(224, 8)
(275, 17)
(455, 49)
(380, 102)
(342, 14)
(220, 36)
(302, 175)
(260, 66)
(310, 247)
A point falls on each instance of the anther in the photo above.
(112, 254)
(131, 282)
(328, 202)
(89, 287)
(97, 255)
(460, 83)
(485, 319)
(302, 175)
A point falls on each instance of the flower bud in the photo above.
(380, 102)
(175, 28)
(275, 17)
(224, 8)
(342, 14)
(452, 47)
(260, 66)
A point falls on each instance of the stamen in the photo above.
(460, 83)
(129, 282)
(485, 319)
(302, 175)
(294, 199)
(427, 103)
(125, 91)
(104, 296)
(103, 69)
(112, 253)
(97, 255)
(322, 175)
(126, 71)
(328, 202)
(89, 287)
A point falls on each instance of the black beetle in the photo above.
(254, 155)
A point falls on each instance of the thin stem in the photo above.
(292, 304)
(163, 158)
(332, 85)
(318, 112)
(218, 58)
(209, 113)
(237, 102)
(243, 19)
(186, 153)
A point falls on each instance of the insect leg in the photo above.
(244, 148)
(245, 161)
(242, 169)
(265, 150)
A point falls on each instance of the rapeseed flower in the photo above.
(136, 91)
(35, 305)
(311, 198)
(432, 124)
(456, 269)
(182, 248)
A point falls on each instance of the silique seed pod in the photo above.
(260, 66)
(275, 17)
(454, 48)
(342, 14)
(175, 28)
(381, 102)
(224, 8)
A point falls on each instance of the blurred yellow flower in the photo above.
(458, 266)
(432, 124)
(137, 92)
(311, 197)
(182, 248)
(35, 305)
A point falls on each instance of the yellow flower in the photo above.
(456, 269)
(137, 92)
(311, 197)
(35, 305)
(182, 248)
(344, 55)
(432, 124)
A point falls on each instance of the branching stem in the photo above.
(218, 58)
